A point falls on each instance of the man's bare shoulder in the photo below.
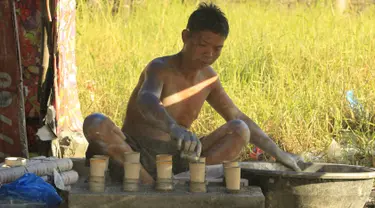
(158, 66)
(211, 76)
(210, 72)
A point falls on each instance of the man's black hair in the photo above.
(208, 17)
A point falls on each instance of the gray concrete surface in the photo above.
(249, 197)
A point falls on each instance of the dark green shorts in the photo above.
(149, 148)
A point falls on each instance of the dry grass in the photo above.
(288, 70)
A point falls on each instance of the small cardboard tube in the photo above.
(164, 169)
(98, 167)
(197, 171)
(133, 157)
(131, 170)
(105, 157)
(163, 157)
(233, 178)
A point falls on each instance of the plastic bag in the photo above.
(31, 187)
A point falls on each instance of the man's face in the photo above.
(203, 47)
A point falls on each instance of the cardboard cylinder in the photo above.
(233, 178)
(197, 171)
(96, 187)
(96, 184)
(228, 163)
(97, 179)
(195, 187)
(97, 167)
(163, 184)
(105, 157)
(164, 169)
(202, 159)
(163, 157)
(131, 170)
(130, 185)
(133, 157)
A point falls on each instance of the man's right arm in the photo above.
(153, 110)
(148, 99)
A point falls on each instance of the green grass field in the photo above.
(287, 69)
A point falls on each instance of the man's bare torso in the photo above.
(182, 97)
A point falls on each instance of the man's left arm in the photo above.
(222, 103)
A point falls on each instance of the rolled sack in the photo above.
(40, 167)
(69, 177)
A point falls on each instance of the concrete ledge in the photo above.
(216, 196)
(371, 201)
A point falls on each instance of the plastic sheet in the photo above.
(31, 187)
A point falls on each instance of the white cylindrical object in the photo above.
(132, 170)
(69, 177)
(133, 157)
(97, 184)
(39, 166)
(233, 178)
(230, 164)
(197, 171)
(164, 157)
(105, 157)
(97, 167)
(164, 169)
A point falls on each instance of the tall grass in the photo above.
(287, 69)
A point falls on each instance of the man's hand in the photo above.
(290, 160)
(187, 142)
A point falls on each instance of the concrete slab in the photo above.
(249, 197)
(214, 181)
(371, 200)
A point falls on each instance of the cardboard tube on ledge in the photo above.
(197, 172)
(133, 157)
(197, 177)
(98, 167)
(96, 184)
(164, 169)
(163, 157)
(233, 179)
(132, 170)
(202, 159)
(228, 163)
(131, 176)
(105, 157)
(164, 176)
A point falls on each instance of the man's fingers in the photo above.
(199, 148)
(193, 157)
(179, 143)
(187, 144)
(183, 155)
(192, 146)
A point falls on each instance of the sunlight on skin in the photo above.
(188, 92)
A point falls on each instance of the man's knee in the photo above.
(91, 125)
(240, 128)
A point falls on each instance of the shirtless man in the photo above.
(168, 98)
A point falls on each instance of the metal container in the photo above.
(318, 185)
